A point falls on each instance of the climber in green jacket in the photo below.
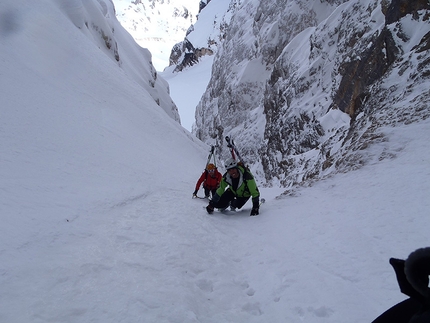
(236, 187)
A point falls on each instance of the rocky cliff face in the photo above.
(255, 39)
(306, 87)
(353, 65)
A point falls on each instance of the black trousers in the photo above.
(208, 191)
(229, 199)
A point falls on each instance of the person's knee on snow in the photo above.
(236, 187)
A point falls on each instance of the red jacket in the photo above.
(210, 182)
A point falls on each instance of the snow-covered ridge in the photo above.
(97, 20)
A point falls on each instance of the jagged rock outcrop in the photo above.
(368, 51)
(305, 87)
(189, 51)
(184, 54)
(203, 3)
(374, 61)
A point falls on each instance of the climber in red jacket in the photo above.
(211, 178)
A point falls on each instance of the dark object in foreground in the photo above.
(413, 278)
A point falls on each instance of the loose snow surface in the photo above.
(98, 223)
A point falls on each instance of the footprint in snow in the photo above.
(205, 285)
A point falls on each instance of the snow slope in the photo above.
(98, 224)
(186, 88)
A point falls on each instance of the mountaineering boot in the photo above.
(210, 209)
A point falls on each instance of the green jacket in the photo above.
(247, 186)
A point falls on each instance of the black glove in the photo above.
(210, 208)
(195, 194)
(255, 205)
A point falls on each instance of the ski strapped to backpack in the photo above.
(211, 155)
(234, 151)
(238, 158)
